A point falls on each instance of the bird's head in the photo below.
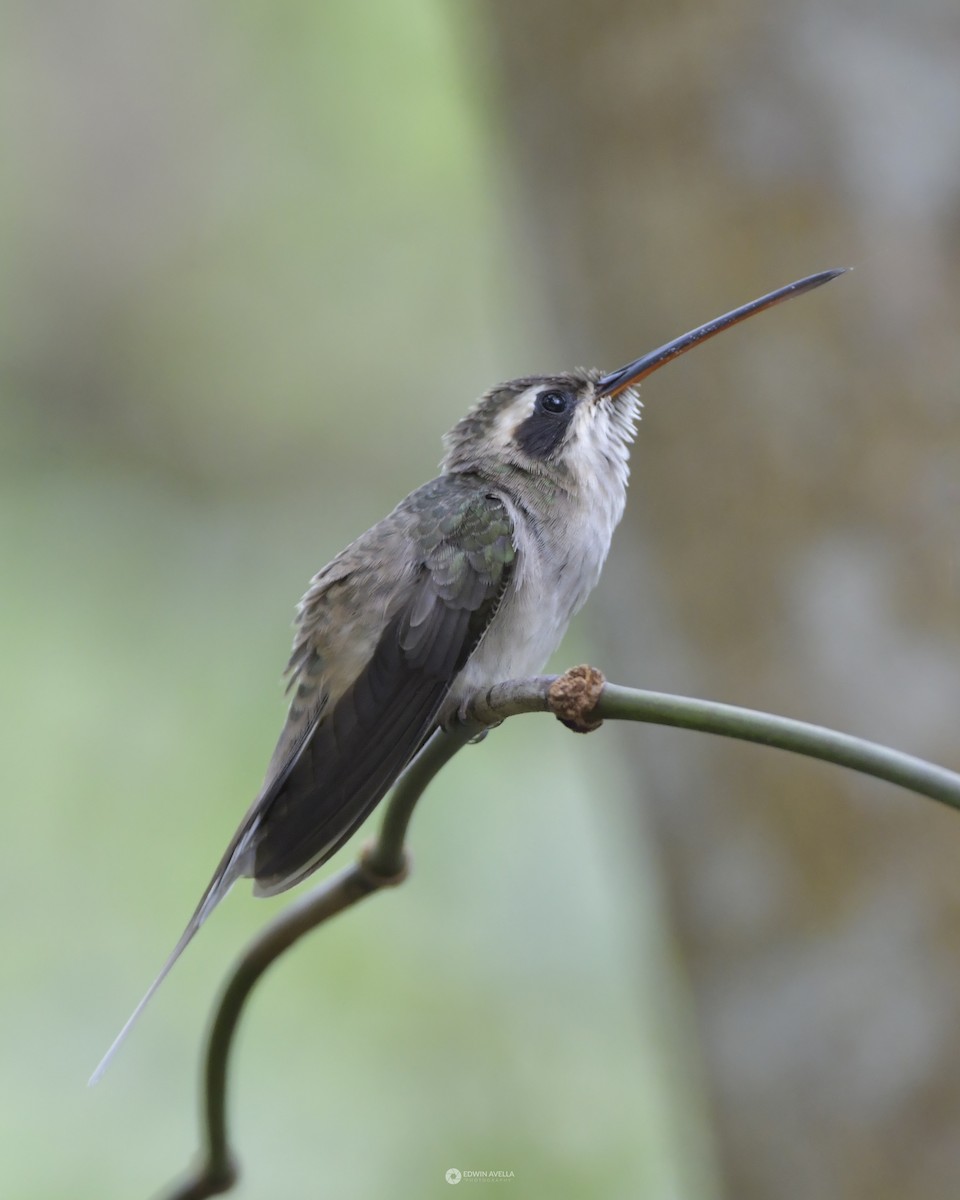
(571, 426)
(561, 426)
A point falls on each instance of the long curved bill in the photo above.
(630, 375)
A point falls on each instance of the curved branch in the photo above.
(581, 699)
(814, 741)
(381, 865)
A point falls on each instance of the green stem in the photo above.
(218, 1173)
(386, 855)
(384, 864)
(814, 741)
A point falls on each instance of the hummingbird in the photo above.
(471, 580)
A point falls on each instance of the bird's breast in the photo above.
(560, 554)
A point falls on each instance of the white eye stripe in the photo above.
(532, 401)
(515, 413)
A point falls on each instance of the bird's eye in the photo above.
(552, 402)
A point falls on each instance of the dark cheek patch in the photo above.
(541, 434)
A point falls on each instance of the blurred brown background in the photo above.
(257, 258)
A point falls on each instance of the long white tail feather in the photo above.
(231, 869)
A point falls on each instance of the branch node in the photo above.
(376, 879)
(573, 697)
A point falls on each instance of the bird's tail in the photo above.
(231, 868)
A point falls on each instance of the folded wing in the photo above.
(360, 744)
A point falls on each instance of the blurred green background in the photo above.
(255, 268)
(256, 259)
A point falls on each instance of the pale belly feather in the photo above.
(557, 569)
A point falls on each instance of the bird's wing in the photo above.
(330, 777)
(373, 658)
